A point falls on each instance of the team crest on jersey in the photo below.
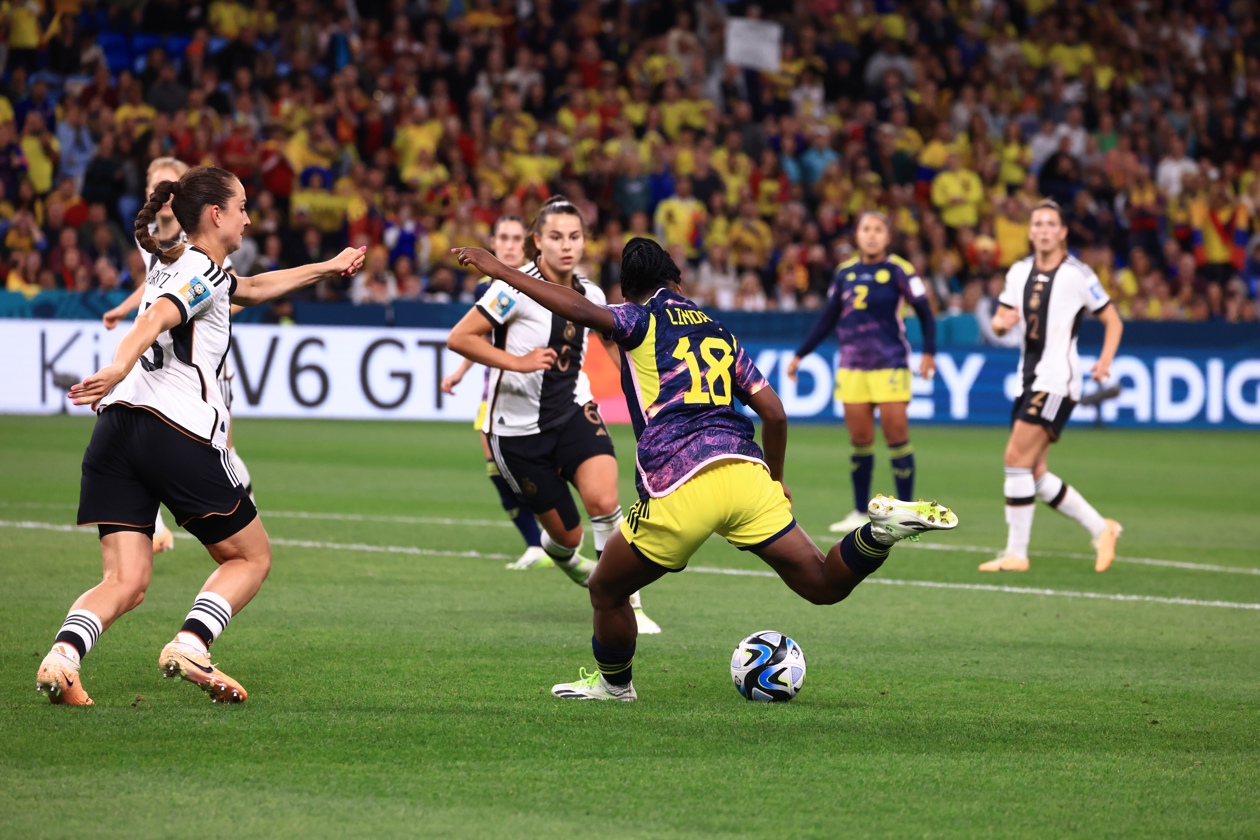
(502, 304)
(195, 291)
(851, 276)
(883, 275)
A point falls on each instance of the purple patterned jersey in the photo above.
(864, 308)
(682, 372)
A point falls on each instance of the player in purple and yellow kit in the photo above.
(699, 470)
(864, 308)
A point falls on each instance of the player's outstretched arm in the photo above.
(150, 323)
(251, 291)
(1113, 328)
(111, 318)
(773, 430)
(564, 302)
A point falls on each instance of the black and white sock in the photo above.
(561, 555)
(209, 615)
(602, 529)
(80, 631)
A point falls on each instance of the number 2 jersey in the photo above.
(1052, 304)
(864, 308)
(681, 372)
(175, 377)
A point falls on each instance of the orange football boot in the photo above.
(59, 677)
(1105, 545)
(1005, 564)
(180, 659)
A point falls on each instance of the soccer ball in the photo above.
(768, 667)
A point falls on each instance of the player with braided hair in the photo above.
(161, 437)
(166, 230)
(699, 469)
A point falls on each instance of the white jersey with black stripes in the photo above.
(175, 377)
(151, 261)
(528, 403)
(1051, 305)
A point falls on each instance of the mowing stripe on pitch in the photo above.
(504, 523)
(379, 549)
(710, 570)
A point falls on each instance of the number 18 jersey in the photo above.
(681, 372)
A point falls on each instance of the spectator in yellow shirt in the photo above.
(1070, 53)
(42, 151)
(1010, 229)
(734, 166)
(227, 18)
(957, 194)
(750, 238)
(135, 116)
(680, 219)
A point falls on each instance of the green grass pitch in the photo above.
(399, 676)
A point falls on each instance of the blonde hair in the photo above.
(158, 164)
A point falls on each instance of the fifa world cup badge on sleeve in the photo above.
(502, 305)
(195, 292)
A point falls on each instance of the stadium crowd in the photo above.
(410, 127)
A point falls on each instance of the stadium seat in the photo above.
(117, 50)
(176, 46)
(141, 43)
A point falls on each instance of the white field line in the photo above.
(974, 587)
(1013, 590)
(503, 523)
(1138, 561)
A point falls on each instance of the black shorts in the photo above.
(1044, 409)
(539, 467)
(136, 460)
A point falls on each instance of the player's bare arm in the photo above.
(111, 318)
(564, 302)
(261, 288)
(1113, 328)
(151, 323)
(468, 339)
(774, 426)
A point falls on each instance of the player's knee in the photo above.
(600, 504)
(825, 596)
(137, 598)
(603, 596)
(862, 439)
(261, 563)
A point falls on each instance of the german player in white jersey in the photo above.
(161, 437)
(507, 240)
(165, 229)
(544, 427)
(1050, 292)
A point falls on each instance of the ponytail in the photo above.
(196, 189)
(162, 193)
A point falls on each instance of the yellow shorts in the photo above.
(873, 386)
(481, 415)
(736, 499)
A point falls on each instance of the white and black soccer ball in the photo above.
(768, 667)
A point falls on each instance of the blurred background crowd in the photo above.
(410, 127)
